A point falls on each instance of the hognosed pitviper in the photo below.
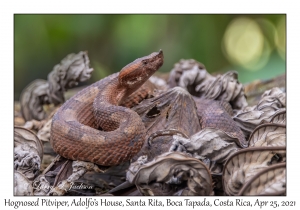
(92, 127)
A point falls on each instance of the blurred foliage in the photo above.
(254, 45)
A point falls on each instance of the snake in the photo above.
(217, 114)
(92, 126)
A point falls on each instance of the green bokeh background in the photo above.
(112, 41)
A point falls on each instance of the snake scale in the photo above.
(91, 126)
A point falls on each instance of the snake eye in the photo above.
(145, 62)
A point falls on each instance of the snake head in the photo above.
(135, 74)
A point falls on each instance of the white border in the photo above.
(151, 6)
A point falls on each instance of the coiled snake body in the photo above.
(91, 126)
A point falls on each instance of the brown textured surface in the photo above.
(174, 109)
(246, 163)
(270, 181)
(77, 127)
(147, 90)
(168, 173)
(216, 114)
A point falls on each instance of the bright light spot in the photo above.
(269, 31)
(244, 44)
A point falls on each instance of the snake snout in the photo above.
(155, 61)
(160, 58)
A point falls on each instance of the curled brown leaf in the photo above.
(280, 118)
(72, 69)
(269, 181)
(210, 145)
(246, 163)
(41, 186)
(22, 186)
(32, 99)
(174, 109)
(187, 74)
(170, 173)
(227, 88)
(271, 103)
(28, 152)
(192, 76)
(268, 134)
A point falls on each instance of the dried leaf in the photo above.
(271, 103)
(227, 88)
(268, 134)
(171, 172)
(246, 163)
(270, 181)
(187, 74)
(73, 68)
(24, 136)
(34, 125)
(68, 176)
(210, 145)
(63, 173)
(271, 95)
(28, 152)
(59, 169)
(174, 109)
(22, 186)
(42, 127)
(32, 99)
(279, 118)
(159, 83)
(44, 133)
(41, 186)
(192, 76)
(256, 88)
